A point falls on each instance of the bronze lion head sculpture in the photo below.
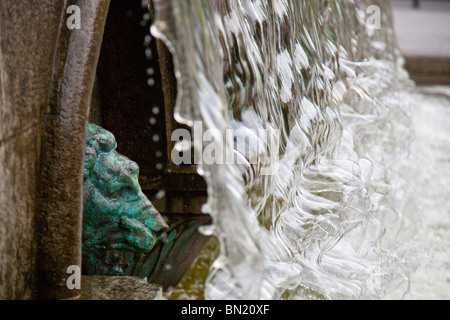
(120, 224)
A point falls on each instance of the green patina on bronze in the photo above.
(120, 224)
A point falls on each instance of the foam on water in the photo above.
(334, 194)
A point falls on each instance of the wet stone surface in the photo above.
(118, 288)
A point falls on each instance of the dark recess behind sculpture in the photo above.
(123, 103)
(126, 102)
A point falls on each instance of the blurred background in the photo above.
(423, 34)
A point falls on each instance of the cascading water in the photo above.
(327, 199)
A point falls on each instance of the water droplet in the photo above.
(148, 53)
(147, 40)
(161, 194)
(170, 289)
(207, 230)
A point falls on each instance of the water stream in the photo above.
(341, 191)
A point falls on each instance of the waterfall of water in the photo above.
(323, 202)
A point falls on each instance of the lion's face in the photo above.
(118, 219)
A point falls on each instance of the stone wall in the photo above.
(46, 79)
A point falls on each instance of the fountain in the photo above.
(334, 211)
(320, 171)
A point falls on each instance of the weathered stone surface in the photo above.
(46, 79)
(70, 91)
(428, 70)
(26, 54)
(118, 288)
